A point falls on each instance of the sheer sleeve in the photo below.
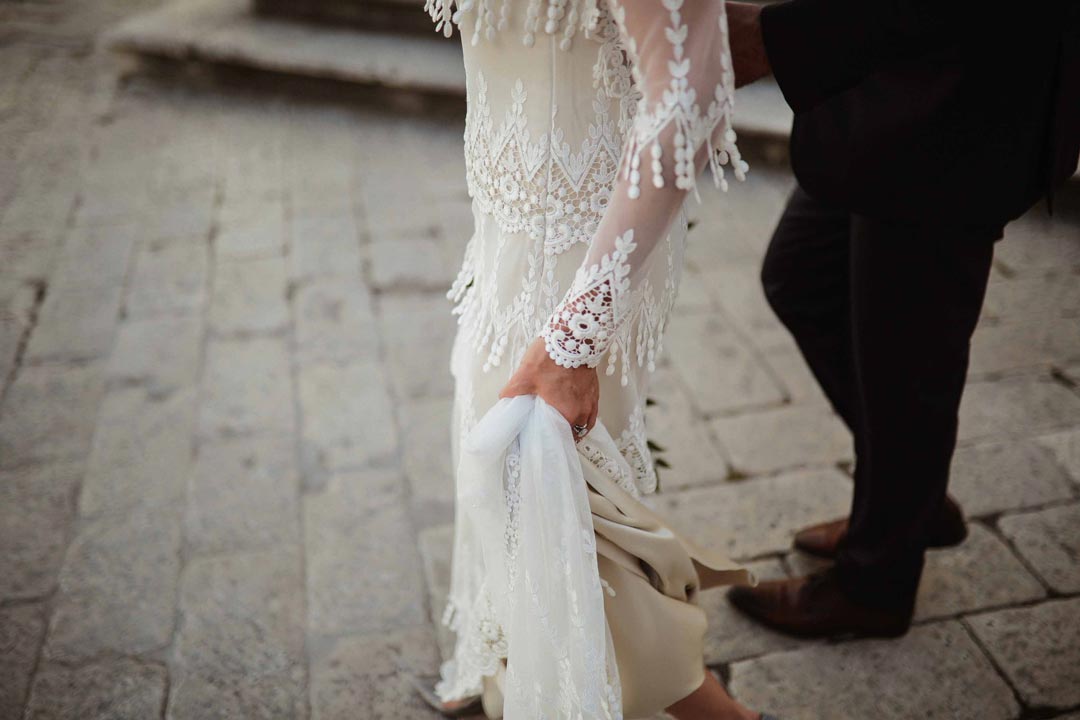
(681, 61)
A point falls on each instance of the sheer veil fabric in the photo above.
(587, 123)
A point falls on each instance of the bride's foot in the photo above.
(425, 688)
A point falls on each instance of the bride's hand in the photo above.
(574, 392)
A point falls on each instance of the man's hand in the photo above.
(747, 45)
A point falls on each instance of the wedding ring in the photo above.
(580, 430)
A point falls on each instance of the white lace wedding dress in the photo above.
(587, 123)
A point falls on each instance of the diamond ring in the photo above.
(580, 430)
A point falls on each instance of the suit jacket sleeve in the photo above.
(818, 48)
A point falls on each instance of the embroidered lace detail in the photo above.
(676, 108)
(603, 314)
(542, 188)
(563, 18)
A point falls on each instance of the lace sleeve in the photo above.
(681, 61)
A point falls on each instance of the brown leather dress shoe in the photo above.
(822, 540)
(816, 606)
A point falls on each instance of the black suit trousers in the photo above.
(883, 313)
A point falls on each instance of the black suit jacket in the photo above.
(929, 109)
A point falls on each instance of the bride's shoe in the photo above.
(425, 688)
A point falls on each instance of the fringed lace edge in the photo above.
(679, 107)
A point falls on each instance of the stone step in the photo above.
(230, 33)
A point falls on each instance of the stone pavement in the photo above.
(224, 481)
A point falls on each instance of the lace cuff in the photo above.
(581, 329)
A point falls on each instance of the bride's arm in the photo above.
(681, 63)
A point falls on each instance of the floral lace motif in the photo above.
(544, 188)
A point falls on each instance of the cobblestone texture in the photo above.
(225, 474)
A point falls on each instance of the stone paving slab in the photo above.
(162, 354)
(363, 569)
(998, 477)
(346, 417)
(22, 628)
(981, 573)
(772, 440)
(934, 671)
(1021, 406)
(723, 372)
(1049, 540)
(106, 690)
(243, 495)
(335, 322)
(36, 507)
(168, 278)
(239, 649)
(117, 587)
(1066, 448)
(749, 518)
(49, 413)
(247, 388)
(249, 297)
(1038, 648)
(365, 677)
(693, 455)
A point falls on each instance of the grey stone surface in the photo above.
(335, 322)
(240, 644)
(117, 587)
(689, 448)
(1050, 542)
(75, 325)
(753, 517)
(255, 230)
(36, 513)
(1038, 648)
(981, 573)
(773, 440)
(243, 495)
(934, 671)
(800, 385)
(418, 332)
(1020, 406)
(169, 277)
(992, 478)
(324, 243)
(425, 430)
(161, 353)
(22, 628)
(1032, 298)
(347, 417)
(120, 689)
(723, 373)
(95, 257)
(412, 263)
(732, 636)
(249, 296)
(1016, 346)
(1066, 448)
(363, 568)
(247, 387)
(49, 414)
(141, 452)
(436, 545)
(364, 676)
(740, 295)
